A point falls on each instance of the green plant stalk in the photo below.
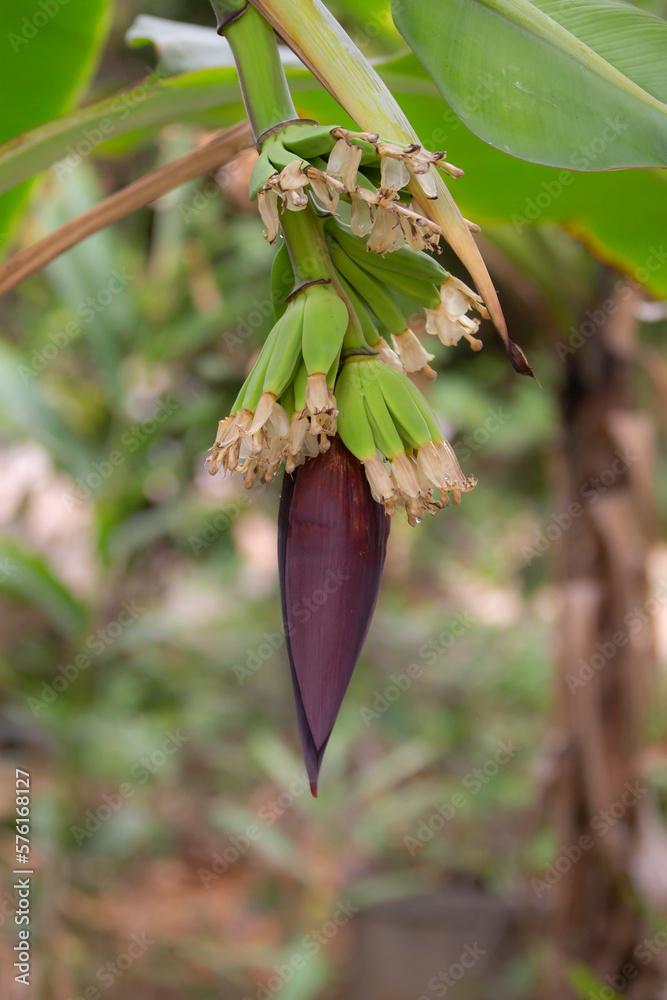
(269, 103)
(266, 95)
(322, 44)
(309, 254)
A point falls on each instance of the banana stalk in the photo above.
(322, 44)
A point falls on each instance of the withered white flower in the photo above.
(413, 355)
(267, 202)
(361, 221)
(449, 320)
(387, 355)
(344, 160)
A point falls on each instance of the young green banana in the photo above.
(325, 322)
(397, 391)
(251, 389)
(287, 400)
(262, 170)
(308, 140)
(423, 293)
(378, 298)
(299, 385)
(353, 424)
(368, 328)
(413, 263)
(282, 280)
(287, 351)
(387, 437)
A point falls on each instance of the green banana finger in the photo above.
(287, 400)
(299, 385)
(403, 407)
(308, 140)
(262, 170)
(282, 280)
(332, 374)
(287, 352)
(405, 260)
(423, 293)
(378, 298)
(251, 389)
(325, 322)
(278, 155)
(368, 327)
(401, 382)
(353, 424)
(387, 438)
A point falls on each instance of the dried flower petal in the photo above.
(414, 356)
(267, 202)
(361, 221)
(394, 175)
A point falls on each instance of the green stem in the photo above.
(309, 254)
(304, 236)
(266, 95)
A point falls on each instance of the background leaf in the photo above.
(49, 53)
(187, 47)
(577, 85)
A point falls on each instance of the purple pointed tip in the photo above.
(329, 529)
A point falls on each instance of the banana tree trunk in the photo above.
(604, 529)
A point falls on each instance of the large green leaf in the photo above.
(153, 101)
(620, 214)
(569, 84)
(49, 51)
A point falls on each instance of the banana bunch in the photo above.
(382, 411)
(415, 276)
(335, 163)
(326, 367)
(286, 409)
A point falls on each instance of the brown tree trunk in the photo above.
(605, 524)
